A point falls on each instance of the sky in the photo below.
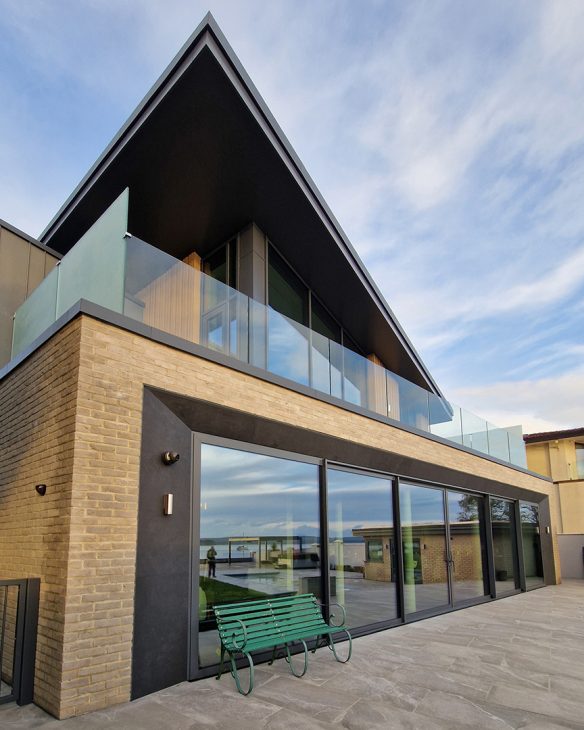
(447, 138)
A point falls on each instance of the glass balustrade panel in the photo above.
(498, 442)
(445, 419)
(474, 432)
(288, 348)
(320, 375)
(35, 314)
(517, 446)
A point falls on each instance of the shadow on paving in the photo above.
(514, 663)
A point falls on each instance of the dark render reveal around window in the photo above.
(531, 542)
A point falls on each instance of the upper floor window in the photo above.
(580, 461)
(222, 264)
(286, 292)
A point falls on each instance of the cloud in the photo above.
(446, 137)
(545, 404)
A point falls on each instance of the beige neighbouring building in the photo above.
(559, 455)
(210, 366)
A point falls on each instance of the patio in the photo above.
(514, 663)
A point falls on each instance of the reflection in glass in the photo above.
(504, 545)
(466, 549)
(362, 554)
(532, 562)
(424, 547)
(288, 348)
(259, 533)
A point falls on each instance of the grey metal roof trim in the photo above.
(209, 29)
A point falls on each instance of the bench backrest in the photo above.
(269, 619)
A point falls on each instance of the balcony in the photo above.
(130, 277)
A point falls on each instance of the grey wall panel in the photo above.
(36, 269)
(160, 648)
(23, 265)
(571, 555)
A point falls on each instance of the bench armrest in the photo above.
(332, 615)
(233, 639)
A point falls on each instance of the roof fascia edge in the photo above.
(311, 188)
(203, 36)
(191, 48)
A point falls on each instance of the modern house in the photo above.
(221, 405)
(559, 455)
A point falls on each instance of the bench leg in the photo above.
(273, 656)
(221, 662)
(235, 673)
(334, 650)
(289, 660)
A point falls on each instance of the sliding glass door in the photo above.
(424, 548)
(361, 546)
(504, 546)
(467, 546)
(531, 542)
(259, 533)
(443, 547)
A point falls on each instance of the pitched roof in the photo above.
(166, 153)
(531, 438)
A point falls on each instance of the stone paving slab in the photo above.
(510, 664)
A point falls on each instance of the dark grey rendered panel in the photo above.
(549, 569)
(160, 650)
(161, 640)
(217, 420)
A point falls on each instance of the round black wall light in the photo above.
(41, 489)
(170, 457)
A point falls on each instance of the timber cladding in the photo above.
(74, 408)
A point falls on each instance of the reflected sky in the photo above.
(357, 501)
(243, 493)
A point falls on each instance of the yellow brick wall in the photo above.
(102, 492)
(37, 403)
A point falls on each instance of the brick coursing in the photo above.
(76, 405)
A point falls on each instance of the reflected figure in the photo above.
(211, 561)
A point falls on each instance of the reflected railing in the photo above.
(170, 295)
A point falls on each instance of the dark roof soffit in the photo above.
(208, 34)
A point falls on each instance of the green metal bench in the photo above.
(268, 624)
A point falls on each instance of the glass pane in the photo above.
(466, 546)
(94, 268)
(362, 552)
(355, 378)
(259, 533)
(517, 446)
(579, 461)
(321, 366)
(323, 323)
(376, 388)
(531, 539)
(286, 293)
(498, 442)
(424, 548)
(287, 348)
(35, 314)
(216, 265)
(504, 545)
(474, 432)
(445, 419)
(413, 404)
